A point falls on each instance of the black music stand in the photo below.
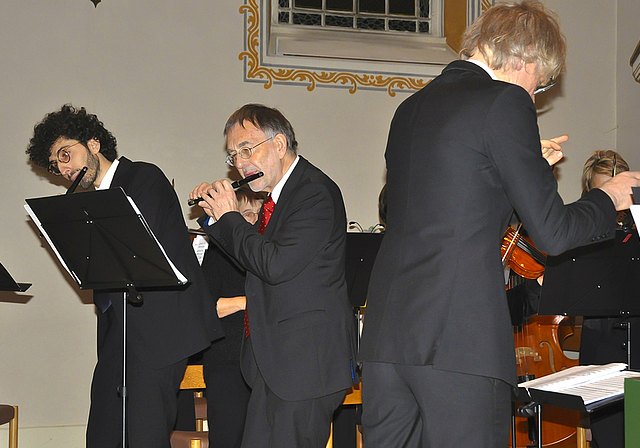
(362, 249)
(536, 398)
(7, 283)
(599, 280)
(104, 242)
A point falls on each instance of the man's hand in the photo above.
(619, 188)
(218, 198)
(552, 149)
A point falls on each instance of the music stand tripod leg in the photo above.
(513, 423)
(539, 420)
(124, 371)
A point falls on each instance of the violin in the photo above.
(520, 254)
(625, 221)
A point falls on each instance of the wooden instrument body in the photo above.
(539, 353)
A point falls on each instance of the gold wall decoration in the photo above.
(255, 70)
(634, 62)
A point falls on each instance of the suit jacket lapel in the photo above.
(285, 195)
(120, 177)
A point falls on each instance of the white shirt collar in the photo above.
(108, 177)
(275, 193)
(484, 66)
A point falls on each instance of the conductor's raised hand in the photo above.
(552, 149)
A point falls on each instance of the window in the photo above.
(390, 31)
(393, 45)
(408, 16)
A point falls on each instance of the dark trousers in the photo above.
(227, 400)
(276, 423)
(151, 394)
(420, 407)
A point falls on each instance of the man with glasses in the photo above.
(297, 354)
(168, 326)
(462, 154)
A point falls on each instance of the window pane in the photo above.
(307, 19)
(283, 17)
(376, 6)
(314, 4)
(340, 5)
(424, 8)
(283, 3)
(403, 7)
(402, 25)
(345, 22)
(371, 24)
(423, 27)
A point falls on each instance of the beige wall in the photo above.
(164, 76)
(628, 89)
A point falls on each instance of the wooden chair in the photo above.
(193, 380)
(9, 414)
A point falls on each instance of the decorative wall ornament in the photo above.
(634, 62)
(257, 71)
(95, 2)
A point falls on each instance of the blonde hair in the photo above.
(509, 32)
(602, 162)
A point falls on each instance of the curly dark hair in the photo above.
(73, 124)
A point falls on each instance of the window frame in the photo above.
(269, 60)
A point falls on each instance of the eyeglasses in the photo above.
(245, 153)
(545, 87)
(63, 156)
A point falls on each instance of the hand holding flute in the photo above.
(219, 197)
(235, 185)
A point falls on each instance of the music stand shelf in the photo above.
(7, 283)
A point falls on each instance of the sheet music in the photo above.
(181, 278)
(200, 246)
(53, 247)
(593, 383)
(611, 386)
(635, 211)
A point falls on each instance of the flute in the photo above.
(76, 182)
(235, 185)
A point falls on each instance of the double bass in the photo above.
(538, 348)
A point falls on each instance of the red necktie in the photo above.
(267, 211)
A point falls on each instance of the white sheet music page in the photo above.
(635, 212)
(200, 246)
(181, 278)
(592, 383)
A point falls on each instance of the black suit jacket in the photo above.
(170, 325)
(462, 154)
(299, 314)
